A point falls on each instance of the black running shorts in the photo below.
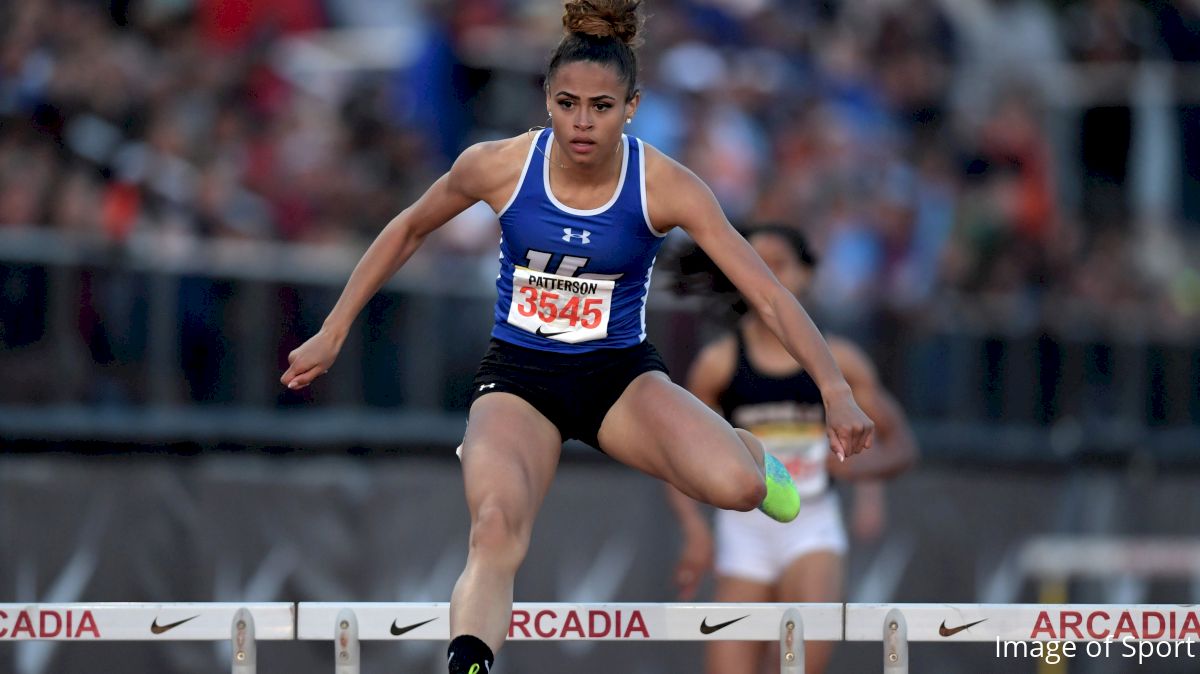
(573, 390)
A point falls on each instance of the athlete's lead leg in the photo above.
(659, 428)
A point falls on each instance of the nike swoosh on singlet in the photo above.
(705, 628)
(539, 332)
(397, 631)
(159, 629)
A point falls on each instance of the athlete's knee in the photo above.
(752, 489)
(498, 537)
(741, 488)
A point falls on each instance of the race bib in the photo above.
(805, 456)
(567, 309)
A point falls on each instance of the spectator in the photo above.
(1115, 35)
(1179, 26)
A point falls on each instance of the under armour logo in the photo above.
(569, 234)
(484, 387)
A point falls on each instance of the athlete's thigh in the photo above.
(737, 657)
(510, 452)
(660, 428)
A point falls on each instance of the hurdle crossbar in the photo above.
(576, 622)
(1028, 622)
(240, 624)
(346, 624)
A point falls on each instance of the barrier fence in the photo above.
(1144, 629)
(116, 346)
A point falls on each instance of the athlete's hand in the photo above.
(850, 429)
(695, 561)
(311, 359)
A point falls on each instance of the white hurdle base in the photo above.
(245, 651)
(345, 645)
(895, 643)
(791, 643)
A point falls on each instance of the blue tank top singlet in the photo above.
(575, 280)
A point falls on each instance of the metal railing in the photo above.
(143, 345)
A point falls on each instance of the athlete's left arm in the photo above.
(678, 198)
(896, 450)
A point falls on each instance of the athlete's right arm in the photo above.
(479, 174)
(709, 375)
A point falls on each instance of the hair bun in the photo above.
(604, 18)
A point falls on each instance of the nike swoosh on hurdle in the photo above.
(705, 628)
(951, 631)
(397, 631)
(159, 629)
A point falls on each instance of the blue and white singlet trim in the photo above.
(575, 280)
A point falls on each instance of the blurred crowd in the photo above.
(988, 162)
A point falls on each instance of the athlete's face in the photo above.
(782, 260)
(588, 109)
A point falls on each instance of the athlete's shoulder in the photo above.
(488, 170)
(673, 191)
(504, 150)
(662, 169)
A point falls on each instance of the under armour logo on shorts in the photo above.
(569, 235)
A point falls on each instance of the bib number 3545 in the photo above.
(563, 308)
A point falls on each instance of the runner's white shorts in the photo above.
(752, 546)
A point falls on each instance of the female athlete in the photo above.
(583, 208)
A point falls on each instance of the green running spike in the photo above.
(783, 501)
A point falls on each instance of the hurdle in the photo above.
(1052, 561)
(894, 626)
(241, 624)
(1011, 624)
(346, 624)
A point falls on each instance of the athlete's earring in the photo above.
(629, 120)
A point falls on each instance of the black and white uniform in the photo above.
(788, 415)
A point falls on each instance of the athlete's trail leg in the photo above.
(509, 457)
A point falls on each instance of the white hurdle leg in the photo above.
(791, 643)
(346, 644)
(895, 643)
(245, 654)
